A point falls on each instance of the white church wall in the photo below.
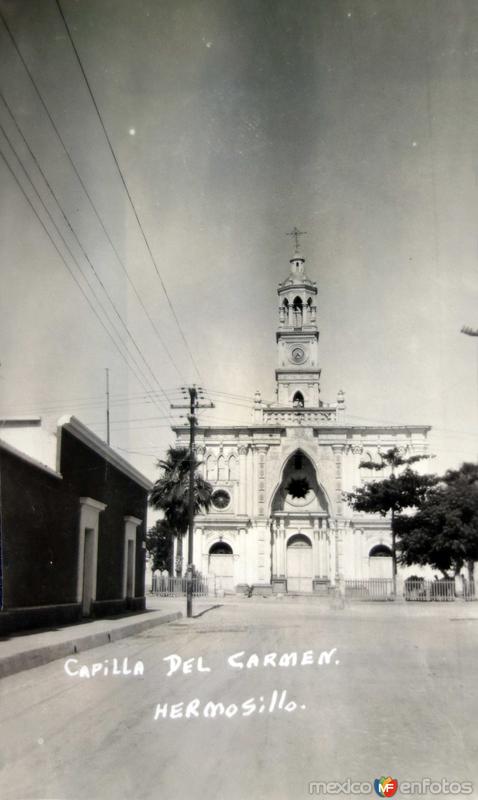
(250, 463)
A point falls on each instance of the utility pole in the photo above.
(192, 406)
(107, 405)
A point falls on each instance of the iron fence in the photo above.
(371, 589)
(469, 592)
(425, 591)
(177, 587)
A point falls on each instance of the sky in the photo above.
(230, 123)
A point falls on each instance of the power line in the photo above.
(65, 217)
(2, 156)
(83, 186)
(122, 400)
(89, 401)
(128, 194)
(56, 200)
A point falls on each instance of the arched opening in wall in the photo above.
(232, 468)
(297, 307)
(310, 317)
(298, 400)
(220, 548)
(285, 303)
(299, 564)
(221, 468)
(380, 562)
(299, 489)
(221, 566)
(211, 468)
(366, 474)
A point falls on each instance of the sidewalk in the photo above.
(26, 650)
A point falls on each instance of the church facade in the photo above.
(279, 521)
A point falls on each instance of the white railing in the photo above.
(371, 589)
(177, 587)
(424, 591)
(301, 415)
(469, 591)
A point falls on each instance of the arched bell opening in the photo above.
(298, 400)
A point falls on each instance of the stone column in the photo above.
(357, 451)
(250, 483)
(197, 548)
(323, 567)
(357, 534)
(200, 454)
(339, 552)
(281, 554)
(316, 549)
(242, 498)
(242, 555)
(338, 451)
(332, 555)
(261, 479)
(255, 481)
(274, 549)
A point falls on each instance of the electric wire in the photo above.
(125, 185)
(71, 254)
(83, 186)
(2, 156)
(129, 334)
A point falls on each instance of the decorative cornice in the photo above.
(339, 428)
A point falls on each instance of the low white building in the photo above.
(279, 520)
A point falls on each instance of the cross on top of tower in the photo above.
(295, 232)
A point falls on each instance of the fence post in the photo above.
(398, 588)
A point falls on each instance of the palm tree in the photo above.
(170, 493)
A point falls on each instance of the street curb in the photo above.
(9, 665)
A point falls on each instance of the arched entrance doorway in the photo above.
(299, 564)
(380, 562)
(221, 565)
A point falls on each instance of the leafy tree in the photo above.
(444, 531)
(159, 545)
(394, 493)
(170, 493)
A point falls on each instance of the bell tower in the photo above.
(297, 372)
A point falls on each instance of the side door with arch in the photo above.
(221, 565)
(299, 564)
(380, 562)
